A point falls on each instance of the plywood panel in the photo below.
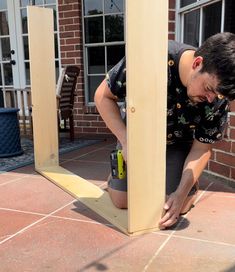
(147, 23)
(42, 74)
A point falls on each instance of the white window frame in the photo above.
(102, 44)
(199, 4)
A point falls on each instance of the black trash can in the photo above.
(9, 133)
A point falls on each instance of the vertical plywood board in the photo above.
(147, 31)
(42, 74)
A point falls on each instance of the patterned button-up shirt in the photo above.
(185, 121)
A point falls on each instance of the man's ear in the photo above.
(197, 62)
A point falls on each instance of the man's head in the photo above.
(213, 69)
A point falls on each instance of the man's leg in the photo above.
(117, 189)
(175, 158)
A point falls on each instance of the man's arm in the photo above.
(106, 104)
(194, 164)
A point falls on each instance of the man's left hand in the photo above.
(172, 209)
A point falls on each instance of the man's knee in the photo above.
(119, 198)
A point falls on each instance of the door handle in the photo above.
(12, 62)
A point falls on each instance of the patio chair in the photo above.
(65, 95)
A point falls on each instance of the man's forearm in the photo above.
(195, 163)
(110, 112)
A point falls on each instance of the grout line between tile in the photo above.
(19, 211)
(157, 252)
(13, 180)
(204, 240)
(80, 156)
(172, 234)
(57, 216)
(36, 222)
(101, 162)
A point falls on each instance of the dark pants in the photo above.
(175, 158)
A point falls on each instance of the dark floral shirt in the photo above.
(185, 121)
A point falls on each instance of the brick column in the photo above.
(222, 163)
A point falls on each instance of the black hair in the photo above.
(218, 53)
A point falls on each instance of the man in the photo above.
(200, 84)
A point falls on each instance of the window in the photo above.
(104, 41)
(24, 21)
(199, 19)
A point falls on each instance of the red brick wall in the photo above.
(222, 163)
(88, 121)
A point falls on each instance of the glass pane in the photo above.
(114, 28)
(56, 47)
(24, 3)
(1, 99)
(93, 83)
(7, 71)
(0, 75)
(26, 47)
(113, 6)
(92, 7)
(229, 22)
(55, 16)
(191, 27)
(57, 70)
(37, 2)
(5, 44)
(24, 21)
(94, 30)
(4, 29)
(50, 1)
(184, 3)
(3, 4)
(211, 20)
(96, 60)
(114, 54)
(27, 73)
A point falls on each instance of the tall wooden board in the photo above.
(147, 24)
(42, 76)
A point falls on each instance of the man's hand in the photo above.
(172, 209)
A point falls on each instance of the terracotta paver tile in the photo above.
(96, 171)
(101, 155)
(65, 245)
(33, 194)
(13, 221)
(221, 190)
(5, 178)
(29, 169)
(212, 219)
(181, 255)
(92, 148)
(79, 211)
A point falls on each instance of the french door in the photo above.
(12, 66)
(14, 53)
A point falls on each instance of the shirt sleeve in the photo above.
(213, 121)
(116, 79)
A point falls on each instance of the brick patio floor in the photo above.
(42, 228)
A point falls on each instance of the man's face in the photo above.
(202, 86)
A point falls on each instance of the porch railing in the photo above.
(21, 99)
